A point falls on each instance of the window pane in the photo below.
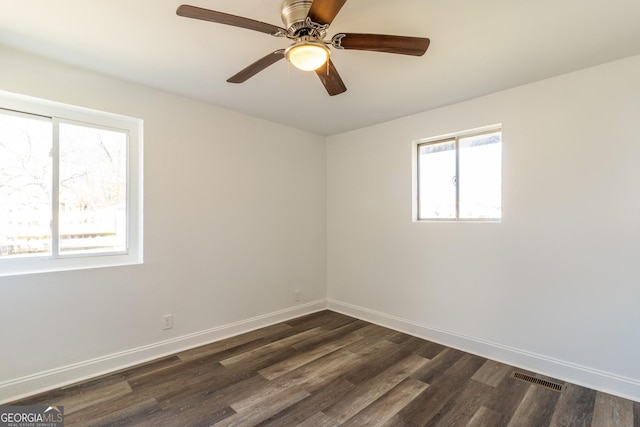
(480, 164)
(25, 185)
(93, 190)
(437, 180)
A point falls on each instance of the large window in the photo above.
(70, 193)
(460, 177)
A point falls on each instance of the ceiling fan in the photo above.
(307, 22)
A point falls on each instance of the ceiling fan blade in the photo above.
(233, 20)
(324, 11)
(403, 45)
(331, 79)
(257, 66)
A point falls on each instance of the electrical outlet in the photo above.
(296, 295)
(167, 321)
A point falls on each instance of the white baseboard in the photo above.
(606, 382)
(40, 382)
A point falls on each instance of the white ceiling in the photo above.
(477, 47)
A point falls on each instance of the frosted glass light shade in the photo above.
(307, 56)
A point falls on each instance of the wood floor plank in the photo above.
(310, 376)
(574, 407)
(330, 335)
(87, 387)
(401, 338)
(207, 407)
(150, 368)
(430, 350)
(612, 411)
(271, 347)
(430, 402)
(461, 408)
(328, 369)
(337, 320)
(378, 361)
(234, 392)
(125, 413)
(121, 404)
(262, 409)
(216, 356)
(96, 396)
(318, 419)
(377, 332)
(199, 416)
(507, 397)
(177, 378)
(318, 373)
(264, 361)
(201, 377)
(380, 411)
(369, 391)
(370, 346)
(536, 408)
(438, 365)
(485, 417)
(491, 373)
(287, 365)
(327, 320)
(313, 320)
(177, 392)
(415, 346)
(308, 407)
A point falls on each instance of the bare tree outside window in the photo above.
(25, 185)
(93, 189)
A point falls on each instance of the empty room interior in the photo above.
(457, 183)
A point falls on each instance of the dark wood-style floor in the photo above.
(327, 369)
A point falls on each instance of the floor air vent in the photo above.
(538, 381)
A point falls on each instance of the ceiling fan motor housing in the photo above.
(294, 15)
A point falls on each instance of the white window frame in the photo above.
(63, 113)
(416, 173)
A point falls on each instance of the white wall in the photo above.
(555, 286)
(235, 219)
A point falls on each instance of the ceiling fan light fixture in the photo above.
(308, 56)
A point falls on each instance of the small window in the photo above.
(460, 177)
(70, 193)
